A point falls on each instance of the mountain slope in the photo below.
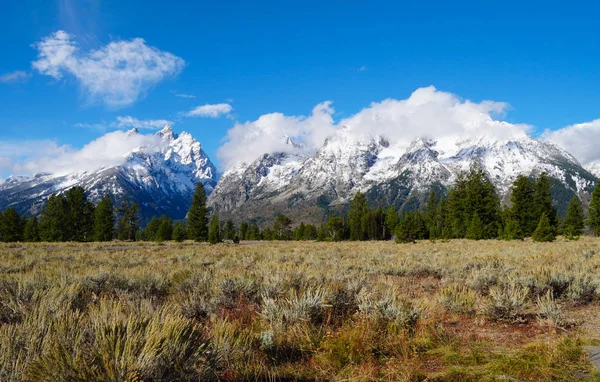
(161, 177)
(399, 175)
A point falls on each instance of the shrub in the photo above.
(457, 299)
(507, 303)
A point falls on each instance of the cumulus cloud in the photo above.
(45, 156)
(246, 141)
(117, 74)
(16, 76)
(153, 124)
(580, 140)
(210, 111)
(427, 113)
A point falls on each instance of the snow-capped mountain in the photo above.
(308, 187)
(160, 176)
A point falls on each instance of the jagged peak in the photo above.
(133, 131)
(167, 132)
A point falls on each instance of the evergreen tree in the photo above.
(179, 232)
(53, 218)
(391, 221)
(512, 229)
(544, 231)
(268, 234)
(310, 232)
(431, 214)
(335, 228)
(594, 210)
(483, 201)
(165, 229)
(523, 216)
(359, 209)
(457, 209)
(11, 226)
(31, 232)
(574, 220)
(322, 233)
(150, 232)
(299, 232)
(244, 230)
(128, 223)
(79, 224)
(475, 229)
(229, 232)
(214, 230)
(543, 200)
(198, 216)
(253, 232)
(104, 220)
(281, 228)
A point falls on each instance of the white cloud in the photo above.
(15, 76)
(210, 111)
(117, 74)
(184, 95)
(246, 141)
(45, 156)
(153, 124)
(580, 140)
(427, 113)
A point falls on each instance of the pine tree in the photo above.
(150, 232)
(253, 232)
(475, 229)
(214, 230)
(310, 232)
(335, 228)
(165, 229)
(457, 209)
(482, 200)
(31, 232)
(512, 229)
(79, 224)
(574, 220)
(244, 230)
(281, 228)
(128, 223)
(52, 219)
(198, 216)
(594, 210)
(268, 234)
(523, 210)
(356, 217)
(104, 220)
(431, 214)
(299, 232)
(544, 231)
(391, 222)
(11, 226)
(543, 200)
(229, 232)
(179, 232)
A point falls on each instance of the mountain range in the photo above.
(307, 186)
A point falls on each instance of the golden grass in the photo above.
(444, 311)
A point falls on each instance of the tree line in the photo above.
(471, 209)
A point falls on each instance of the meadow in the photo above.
(300, 311)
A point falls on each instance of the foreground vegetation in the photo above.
(443, 311)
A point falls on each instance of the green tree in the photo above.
(457, 209)
(299, 232)
(356, 217)
(79, 224)
(574, 220)
(475, 229)
(512, 229)
(179, 232)
(244, 230)
(129, 221)
(543, 200)
(31, 232)
(594, 210)
(545, 231)
(198, 216)
(52, 219)
(214, 230)
(104, 220)
(229, 231)
(150, 232)
(482, 200)
(268, 234)
(165, 229)
(391, 221)
(335, 228)
(310, 232)
(11, 226)
(281, 228)
(253, 232)
(523, 210)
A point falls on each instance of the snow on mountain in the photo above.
(349, 162)
(160, 176)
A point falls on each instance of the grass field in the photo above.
(444, 311)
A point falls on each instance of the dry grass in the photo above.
(445, 311)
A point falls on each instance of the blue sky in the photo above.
(272, 56)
